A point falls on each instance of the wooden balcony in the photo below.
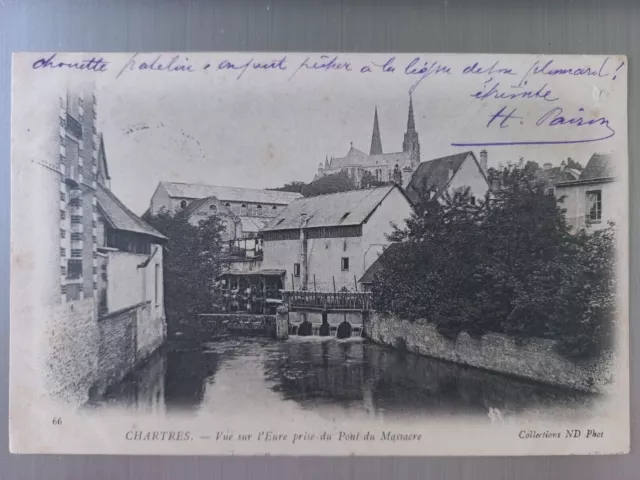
(338, 302)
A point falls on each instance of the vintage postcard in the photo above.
(319, 254)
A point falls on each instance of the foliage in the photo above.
(369, 181)
(507, 264)
(332, 183)
(191, 264)
(571, 163)
(294, 186)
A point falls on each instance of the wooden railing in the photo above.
(325, 301)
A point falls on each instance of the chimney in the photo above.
(483, 159)
(546, 166)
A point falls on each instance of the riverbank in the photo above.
(532, 359)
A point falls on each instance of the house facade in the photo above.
(327, 242)
(379, 167)
(591, 200)
(84, 344)
(243, 202)
(447, 174)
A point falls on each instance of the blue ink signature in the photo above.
(325, 62)
(278, 64)
(426, 70)
(494, 91)
(176, 64)
(549, 69)
(553, 118)
(492, 70)
(92, 64)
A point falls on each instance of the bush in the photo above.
(506, 264)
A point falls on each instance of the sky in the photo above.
(266, 129)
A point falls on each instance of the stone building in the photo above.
(447, 174)
(326, 242)
(377, 166)
(243, 211)
(591, 201)
(84, 345)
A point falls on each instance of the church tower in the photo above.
(411, 142)
(376, 141)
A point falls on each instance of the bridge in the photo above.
(336, 302)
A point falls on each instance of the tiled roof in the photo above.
(233, 194)
(377, 266)
(434, 174)
(120, 217)
(552, 176)
(599, 166)
(337, 209)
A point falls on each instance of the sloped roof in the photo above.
(552, 176)
(253, 224)
(434, 174)
(196, 204)
(599, 166)
(353, 157)
(357, 157)
(377, 266)
(233, 194)
(336, 209)
(120, 217)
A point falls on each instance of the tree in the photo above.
(332, 183)
(191, 263)
(507, 264)
(571, 163)
(294, 186)
(369, 181)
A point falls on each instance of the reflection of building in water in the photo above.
(319, 371)
(144, 389)
(187, 375)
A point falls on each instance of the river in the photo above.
(325, 375)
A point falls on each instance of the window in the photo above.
(63, 252)
(74, 269)
(296, 269)
(63, 270)
(62, 196)
(594, 206)
(213, 208)
(183, 203)
(63, 214)
(274, 208)
(157, 280)
(344, 264)
(63, 233)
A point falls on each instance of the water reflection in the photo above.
(234, 374)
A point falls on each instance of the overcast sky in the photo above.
(264, 130)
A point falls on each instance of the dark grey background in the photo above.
(516, 26)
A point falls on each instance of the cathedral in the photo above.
(377, 167)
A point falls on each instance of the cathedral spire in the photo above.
(411, 123)
(411, 143)
(376, 141)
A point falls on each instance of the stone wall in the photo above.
(73, 344)
(117, 354)
(128, 337)
(151, 330)
(208, 326)
(534, 359)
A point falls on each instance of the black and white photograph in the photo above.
(319, 254)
